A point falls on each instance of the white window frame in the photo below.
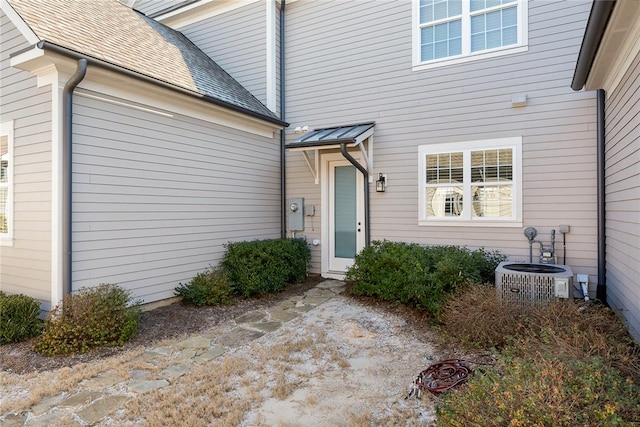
(514, 143)
(6, 130)
(467, 55)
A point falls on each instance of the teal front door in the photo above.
(346, 222)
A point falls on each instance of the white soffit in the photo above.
(199, 11)
(619, 47)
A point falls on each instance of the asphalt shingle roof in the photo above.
(112, 32)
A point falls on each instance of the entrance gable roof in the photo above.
(352, 134)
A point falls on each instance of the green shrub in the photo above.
(18, 318)
(211, 287)
(93, 317)
(264, 266)
(543, 392)
(418, 276)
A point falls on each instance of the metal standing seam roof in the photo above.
(332, 135)
(111, 32)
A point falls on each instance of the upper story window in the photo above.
(471, 183)
(455, 31)
(6, 182)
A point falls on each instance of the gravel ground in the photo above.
(357, 372)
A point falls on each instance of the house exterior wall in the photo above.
(236, 41)
(622, 188)
(157, 195)
(351, 62)
(25, 262)
(149, 7)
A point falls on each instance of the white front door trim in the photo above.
(330, 266)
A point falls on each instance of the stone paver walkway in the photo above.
(95, 398)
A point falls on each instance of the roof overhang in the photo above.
(619, 47)
(350, 136)
(611, 41)
(333, 137)
(104, 78)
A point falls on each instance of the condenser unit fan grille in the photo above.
(527, 288)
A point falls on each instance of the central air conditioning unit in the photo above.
(533, 283)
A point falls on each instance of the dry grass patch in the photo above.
(223, 391)
(564, 363)
(204, 394)
(564, 328)
(37, 386)
(393, 417)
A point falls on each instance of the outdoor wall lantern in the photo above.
(381, 183)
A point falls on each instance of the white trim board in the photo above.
(129, 89)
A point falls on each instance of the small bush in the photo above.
(18, 318)
(418, 276)
(93, 317)
(476, 318)
(264, 266)
(211, 287)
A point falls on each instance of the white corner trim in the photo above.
(57, 191)
(271, 54)
(17, 20)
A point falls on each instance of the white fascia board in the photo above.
(199, 11)
(19, 23)
(619, 47)
(129, 89)
(153, 97)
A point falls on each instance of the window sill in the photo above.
(6, 241)
(446, 62)
(467, 223)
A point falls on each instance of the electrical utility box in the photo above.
(296, 214)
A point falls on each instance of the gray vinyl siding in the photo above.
(278, 53)
(350, 62)
(236, 41)
(25, 267)
(622, 182)
(156, 198)
(150, 7)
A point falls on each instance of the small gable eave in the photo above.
(44, 45)
(49, 66)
